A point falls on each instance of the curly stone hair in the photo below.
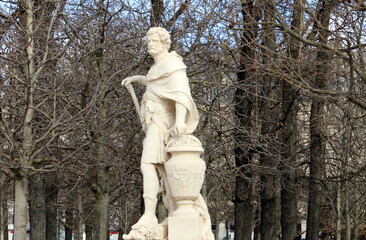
(163, 35)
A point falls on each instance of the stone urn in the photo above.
(185, 172)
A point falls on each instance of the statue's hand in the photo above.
(126, 81)
(138, 78)
(179, 129)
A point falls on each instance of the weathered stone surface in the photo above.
(169, 116)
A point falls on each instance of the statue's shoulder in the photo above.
(174, 60)
(174, 54)
(171, 63)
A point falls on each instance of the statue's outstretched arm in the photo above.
(134, 79)
(127, 82)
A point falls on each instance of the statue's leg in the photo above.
(169, 200)
(151, 188)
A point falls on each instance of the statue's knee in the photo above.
(151, 196)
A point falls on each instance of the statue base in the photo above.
(185, 228)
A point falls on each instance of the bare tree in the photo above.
(26, 99)
(243, 99)
(289, 134)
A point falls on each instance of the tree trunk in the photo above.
(269, 124)
(288, 181)
(100, 187)
(268, 226)
(317, 128)
(37, 207)
(355, 228)
(339, 213)
(347, 214)
(6, 231)
(51, 210)
(88, 232)
(59, 228)
(257, 233)
(20, 208)
(120, 234)
(217, 215)
(69, 225)
(22, 177)
(243, 152)
(100, 180)
(243, 189)
(243, 157)
(157, 9)
(289, 137)
(79, 214)
(3, 215)
(316, 170)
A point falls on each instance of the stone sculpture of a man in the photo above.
(167, 109)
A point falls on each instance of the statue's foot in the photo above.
(145, 220)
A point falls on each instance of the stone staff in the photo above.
(134, 99)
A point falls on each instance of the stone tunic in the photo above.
(158, 117)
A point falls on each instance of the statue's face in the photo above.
(154, 45)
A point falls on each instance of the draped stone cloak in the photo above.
(167, 84)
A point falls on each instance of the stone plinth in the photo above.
(185, 228)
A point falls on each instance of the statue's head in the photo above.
(162, 34)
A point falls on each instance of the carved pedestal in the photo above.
(185, 171)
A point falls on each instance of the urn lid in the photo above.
(184, 143)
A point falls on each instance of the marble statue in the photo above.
(169, 116)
